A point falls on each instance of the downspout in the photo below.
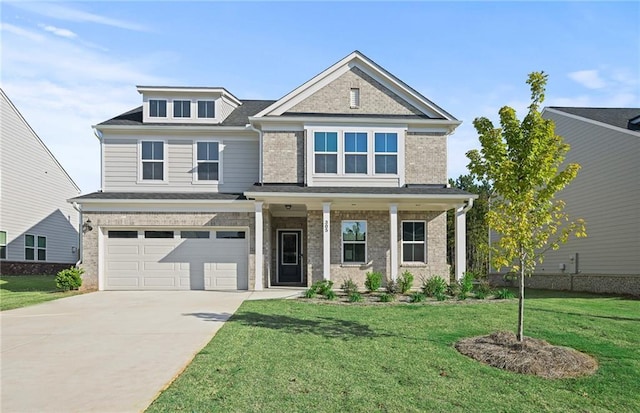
(259, 132)
(80, 233)
(98, 135)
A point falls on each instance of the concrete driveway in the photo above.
(106, 351)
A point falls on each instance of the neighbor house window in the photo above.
(355, 153)
(326, 152)
(208, 161)
(157, 108)
(35, 248)
(206, 109)
(3, 245)
(181, 108)
(152, 160)
(354, 98)
(386, 153)
(354, 241)
(413, 241)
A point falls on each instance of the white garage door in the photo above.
(144, 259)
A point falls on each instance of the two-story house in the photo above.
(344, 175)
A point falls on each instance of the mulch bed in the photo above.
(533, 356)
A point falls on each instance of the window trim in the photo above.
(36, 248)
(376, 153)
(194, 177)
(165, 169)
(166, 108)
(403, 242)
(336, 153)
(173, 104)
(365, 154)
(3, 246)
(198, 108)
(342, 243)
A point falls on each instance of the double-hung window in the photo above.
(355, 153)
(206, 109)
(208, 160)
(413, 241)
(354, 242)
(326, 152)
(181, 108)
(386, 153)
(3, 245)
(152, 158)
(35, 248)
(157, 108)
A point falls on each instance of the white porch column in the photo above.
(258, 247)
(393, 235)
(461, 242)
(326, 240)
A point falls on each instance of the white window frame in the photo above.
(165, 169)
(366, 242)
(375, 153)
(166, 109)
(195, 179)
(367, 153)
(336, 153)
(181, 101)
(403, 242)
(4, 244)
(198, 108)
(36, 247)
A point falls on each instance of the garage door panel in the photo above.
(123, 266)
(158, 249)
(159, 282)
(123, 282)
(123, 249)
(158, 266)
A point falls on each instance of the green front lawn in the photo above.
(293, 356)
(21, 291)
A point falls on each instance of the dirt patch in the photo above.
(533, 356)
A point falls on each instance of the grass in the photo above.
(295, 356)
(20, 291)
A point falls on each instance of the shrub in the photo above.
(480, 294)
(483, 287)
(310, 293)
(466, 283)
(416, 297)
(405, 282)
(322, 287)
(331, 295)
(392, 287)
(349, 286)
(373, 281)
(386, 298)
(504, 294)
(69, 279)
(355, 297)
(453, 289)
(440, 296)
(433, 286)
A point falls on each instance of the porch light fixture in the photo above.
(86, 227)
(287, 206)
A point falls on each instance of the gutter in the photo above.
(99, 135)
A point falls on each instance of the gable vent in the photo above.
(354, 98)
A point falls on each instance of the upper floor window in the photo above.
(354, 241)
(413, 241)
(208, 161)
(206, 109)
(152, 158)
(157, 108)
(355, 153)
(35, 248)
(181, 108)
(3, 245)
(326, 152)
(386, 153)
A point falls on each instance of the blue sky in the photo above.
(67, 66)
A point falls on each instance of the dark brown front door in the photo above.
(290, 256)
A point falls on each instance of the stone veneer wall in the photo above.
(425, 159)
(283, 157)
(594, 283)
(32, 268)
(288, 223)
(159, 219)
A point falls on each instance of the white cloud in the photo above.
(59, 32)
(19, 31)
(588, 78)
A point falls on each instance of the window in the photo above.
(158, 234)
(354, 241)
(194, 234)
(206, 109)
(208, 161)
(354, 98)
(153, 160)
(157, 108)
(123, 234)
(413, 241)
(326, 152)
(230, 234)
(386, 153)
(3, 245)
(181, 108)
(35, 248)
(355, 153)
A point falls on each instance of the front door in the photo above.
(290, 256)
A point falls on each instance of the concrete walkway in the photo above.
(107, 351)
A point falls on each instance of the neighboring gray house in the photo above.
(38, 227)
(606, 193)
(344, 175)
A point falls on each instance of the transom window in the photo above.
(122, 234)
(157, 108)
(386, 153)
(35, 248)
(354, 242)
(181, 108)
(413, 241)
(208, 161)
(355, 152)
(195, 234)
(206, 109)
(152, 160)
(158, 234)
(3, 245)
(326, 152)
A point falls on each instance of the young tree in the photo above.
(522, 161)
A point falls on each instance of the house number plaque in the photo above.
(326, 226)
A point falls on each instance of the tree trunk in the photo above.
(521, 304)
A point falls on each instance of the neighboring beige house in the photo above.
(38, 227)
(606, 193)
(344, 175)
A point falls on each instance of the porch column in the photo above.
(258, 247)
(461, 242)
(393, 235)
(326, 240)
